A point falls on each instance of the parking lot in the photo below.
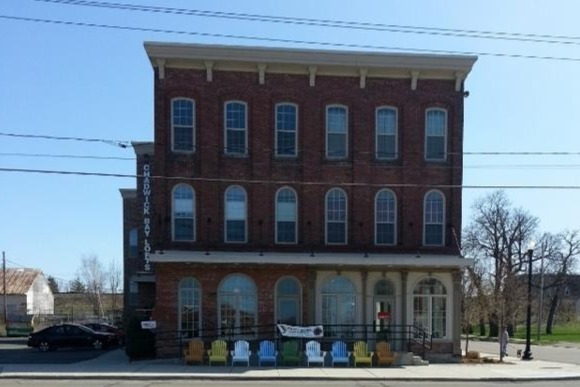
(13, 350)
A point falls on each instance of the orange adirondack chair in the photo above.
(194, 352)
(384, 353)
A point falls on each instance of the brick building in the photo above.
(302, 187)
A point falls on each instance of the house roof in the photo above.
(18, 281)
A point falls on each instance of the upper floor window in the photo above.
(336, 232)
(386, 133)
(286, 129)
(385, 218)
(183, 213)
(235, 215)
(336, 132)
(133, 242)
(436, 134)
(434, 219)
(183, 124)
(236, 128)
(286, 216)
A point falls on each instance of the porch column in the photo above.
(456, 310)
(404, 276)
(311, 297)
(364, 276)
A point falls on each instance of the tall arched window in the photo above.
(434, 219)
(435, 134)
(385, 217)
(386, 133)
(236, 128)
(336, 217)
(237, 305)
(286, 129)
(189, 313)
(288, 301)
(430, 307)
(286, 216)
(338, 306)
(336, 132)
(183, 124)
(235, 215)
(183, 213)
(384, 299)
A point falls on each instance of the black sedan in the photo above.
(70, 335)
(104, 327)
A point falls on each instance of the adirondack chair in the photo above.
(290, 352)
(384, 353)
(267, 352)
(361, 354)
(218, 352)
(194, 352)
(313, 353)
(339, 354)
(241, 352)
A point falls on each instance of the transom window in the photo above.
(288, 295)
(183, 213)
(183, 124)
(338, 306)
(436, 134)
(336, 132)
(434, 219)
(235, 215)
(237, 306)
(430, 307)
(286, 214)
(385, 218)
(336, 232)
(236, 128)
(189, 308)
(386, 133)
(286, 129)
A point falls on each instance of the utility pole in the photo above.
(4, 280)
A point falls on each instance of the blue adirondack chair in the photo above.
(241, 352)
(267, 352)
(339, 354)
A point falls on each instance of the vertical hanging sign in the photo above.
(147, 215)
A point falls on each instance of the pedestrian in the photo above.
(504, 340)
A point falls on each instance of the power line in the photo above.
(290, 182)
(291, 41)
(49, 155)
(120, 144)
(353, 25)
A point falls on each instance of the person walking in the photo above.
(504, 340)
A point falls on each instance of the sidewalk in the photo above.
(115, 365)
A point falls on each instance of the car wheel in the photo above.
(44, 346)
(98, 344)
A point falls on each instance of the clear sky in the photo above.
(74, 80)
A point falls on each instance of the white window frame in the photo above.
(173, 217)
(326, 221)
(173, 126)
(328, 107)
(277, 131)
(226, 214)
(295, 215)
(197, 297)
(442, 223)
(396, 134)
(429, 300)
(238, 298)
(394, 222)
(226, 128)
(427, 136)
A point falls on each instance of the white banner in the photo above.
(293, 331)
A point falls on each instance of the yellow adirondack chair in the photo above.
(194, 352)
(361, 354)
(384, 353)
(218, 352)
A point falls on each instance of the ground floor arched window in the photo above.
(338, 306)
(237, 306)
(189, 307)
(430, 307)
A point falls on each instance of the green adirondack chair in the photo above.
(290, 352)
(361, 354)
(218, 352)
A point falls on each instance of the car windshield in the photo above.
(86, 329)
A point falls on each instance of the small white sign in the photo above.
(148, 324)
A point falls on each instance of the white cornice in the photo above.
(128, 193)
(143, 148)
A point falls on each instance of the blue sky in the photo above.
(79, 81)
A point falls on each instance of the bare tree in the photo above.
(93, 276)
(114, 277)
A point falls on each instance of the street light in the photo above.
(528, 352)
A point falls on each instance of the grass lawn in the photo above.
(569, 333)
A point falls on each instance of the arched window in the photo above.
(434, 219)
(336, 215)
(386, 133)
(384, 299)
(235, 215)
(189, 308)
(338, 306)
(435, 134)
(430, 307)
(237, 305)
(183, 213)
(286, 129)
(288, 301)
(183, 124)
(286, 214)
(385, 217)
(236, 128)
(336, 132)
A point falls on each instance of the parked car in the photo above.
(104, 327)
(70, 335)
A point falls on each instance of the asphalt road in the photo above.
(15, 351)
(560, 353)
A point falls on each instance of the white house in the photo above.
(27, 293)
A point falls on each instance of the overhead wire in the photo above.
(120, 144)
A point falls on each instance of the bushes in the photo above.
(140, 342)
